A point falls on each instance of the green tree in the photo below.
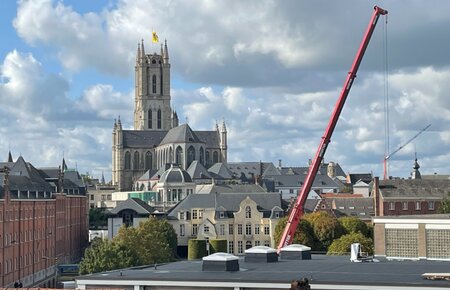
(445, 205)
(98, 218)
(342, 245)
(304, 234)
(352, 224)
(153, 241)
(326, 228)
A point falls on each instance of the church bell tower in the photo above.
(152, 110)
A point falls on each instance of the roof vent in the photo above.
(295, 252)
(260, 254)
(220, 262)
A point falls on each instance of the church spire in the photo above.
(416, 173)
(119, 124)
(142, 49)
(138, 53)
(10, 159)
(166, 52)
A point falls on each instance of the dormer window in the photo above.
(181, 215)
(222, 215)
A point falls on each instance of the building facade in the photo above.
(43, 222)
(157, 138)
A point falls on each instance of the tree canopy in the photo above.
(342, 245)
(153, 241)
(352, 224)
(445, 205)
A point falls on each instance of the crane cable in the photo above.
(386, 99)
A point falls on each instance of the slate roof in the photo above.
(414, 188)
(181, 134)
(142, 139)
(355, 177)
(229, 201)
(361, 207)
(229, 188)
(197, 171)
(175, 174)
(323, 168)
(220, 171)
(210, 138)
(135, 204)
(252, 169)
(296, 180)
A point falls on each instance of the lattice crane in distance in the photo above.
(297, 210)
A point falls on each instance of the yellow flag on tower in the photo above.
(155, 37)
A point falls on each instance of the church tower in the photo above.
(152, 109)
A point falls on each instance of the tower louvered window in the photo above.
(159, 119)
(154, 84)
(150, 116)
(127, 160)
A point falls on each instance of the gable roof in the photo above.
(414, 188)
(197, 171)
(221, 171)
(210, 138)
(228, 188)
(142, 138)
(135, 204)
(355, 177)
(181, 134)
(249, 170)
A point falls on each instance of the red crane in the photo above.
(297, 210)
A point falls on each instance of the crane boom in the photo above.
(297, 210)
(386, 158)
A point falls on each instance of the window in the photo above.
(248, 229)
(181, 215)
(127, 160)
(417, 205)
(239, 231)
(222, 230)
(405, 205)
(103, 197)
(221, 214)
(431, 205)
(154, 84)
(206, 229)
(200, 213)
(202, 156)
(230, 229)
(257, 243)
(108, 197)
(179, 156)
(248, 212)
(240, 247)
(267, 243)
(266, 230)
(181, 230)
(194, 214)
(159, 119)
(257, 229)
(190, 155)
(215, 157)
(194, 229)
(150, 116)
(92, 197)
(136, 161)
(148, 160)
(391, 206)
(230, 247)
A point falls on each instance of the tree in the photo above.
(153, 241)
(326, 228)
(304, 234)
(353, 225)
(342, 245)
(98, 218)
(445, 205)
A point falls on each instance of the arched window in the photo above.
(248, 212)
(202, 156)
(150, 124)
(148, 160)
(190, 155)
(170, 155)
(136, 160)
(208, 160)
(127, 160)
(215, 157)
(179, 156)
(154, 84)
(159, 118)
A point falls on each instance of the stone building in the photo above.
(157, 138)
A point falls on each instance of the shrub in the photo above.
(196, 249)
(341, 246)
(217, 246)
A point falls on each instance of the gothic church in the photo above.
(157, 138)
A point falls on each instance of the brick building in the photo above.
(43, 222)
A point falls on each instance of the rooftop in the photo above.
(324, 272)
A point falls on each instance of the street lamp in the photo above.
(56, 267)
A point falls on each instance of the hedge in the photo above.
(196, 249)
(218, 245)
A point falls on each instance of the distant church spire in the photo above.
(103, 178)
(416, 173)
(166, 52)
(142, 49)
(10, 159)
(138, 53)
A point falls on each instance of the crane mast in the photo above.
(297, 210)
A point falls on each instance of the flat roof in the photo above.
(323, 272)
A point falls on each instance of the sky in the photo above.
(272, 70)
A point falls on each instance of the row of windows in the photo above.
(24, 261)
(27, 213)
(248, 245)
(248, 229)
(25, 236)
(417, 204)
(158, 119)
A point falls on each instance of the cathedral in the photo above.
(157, 138)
